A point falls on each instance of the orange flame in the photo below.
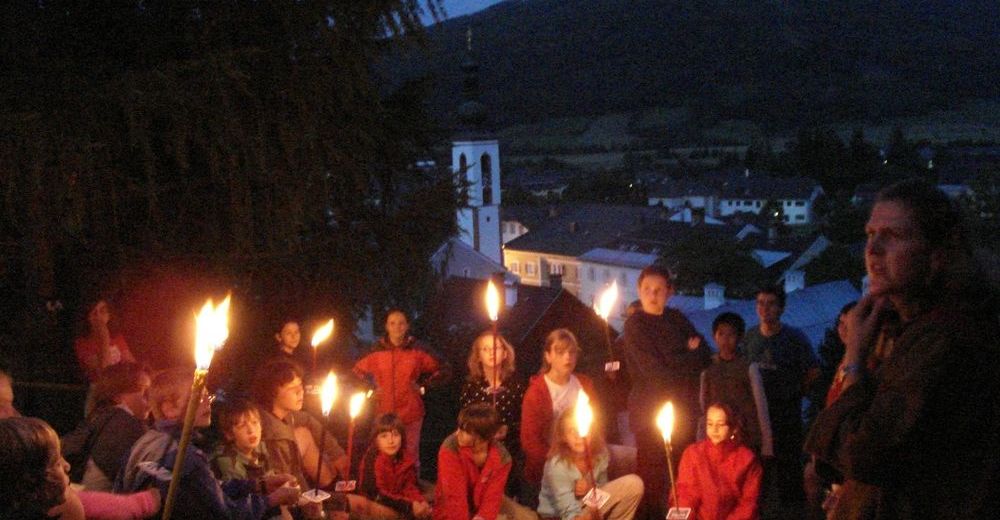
(492, 301)
(584, 413)
(607, 301)
(665, 421)
(357, 402)
(328, 393)
(211, 331)
(323, 333)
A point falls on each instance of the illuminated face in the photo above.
(726, 339)
(485, 347)
(562, 358)
(896, 255)
(289, 337)
(6, 398)
(717, 425)
(769, 308)
(389, 442)
(58, 469)
(467, 439)
(245, 434)
(100, 313)
(396, 327)
(654, 291)
(290, 397)
(138, 401)
(572, 439)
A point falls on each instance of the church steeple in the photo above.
(471, 112)
(475, 157)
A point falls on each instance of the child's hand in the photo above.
(501, 433)
(421, 509)
(283, 496)
(581, 487)
(694, 342)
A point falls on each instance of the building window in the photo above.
(800, 203)
(515, 267)
(529, 268)
(786, 218)
(624, 279)
(591, 274)
(607, 275)
(800, 218)
(466, 272)
(556, 268)
(757, 204)
(486, 167)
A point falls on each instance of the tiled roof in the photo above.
(572, 230)
(618, 257)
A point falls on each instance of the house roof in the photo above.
(618, 257)
(572, 230)
(457, 314)
(812, 310)
(767, 188)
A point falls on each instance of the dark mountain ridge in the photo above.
(779, 63)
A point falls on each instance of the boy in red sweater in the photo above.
(472, 468)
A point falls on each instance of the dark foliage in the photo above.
(248, 142)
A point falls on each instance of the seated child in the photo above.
(719, 477)
(389, 476)
(242, 456)
(199, 494)
(567, 478)
(472, 468)
(734, 380)
(36, 481)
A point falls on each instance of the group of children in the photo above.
(516, 452)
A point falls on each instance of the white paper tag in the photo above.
(612, 366)
(343, 486)
(679, 513)
(596, 498)
(314, 495)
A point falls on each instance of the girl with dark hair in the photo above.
(719, 477)
(33, 472)
(98, 346)
(35, 480)
(397, 363)
(389, 475)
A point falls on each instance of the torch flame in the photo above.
(583, 413)
(492, 301)
(665, 420)
(357, 402)
(211, 331)
(323, 333)
(607, 301)
(328, 393)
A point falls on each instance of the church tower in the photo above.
(475, 157)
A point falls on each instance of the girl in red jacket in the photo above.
(397, 362)
(389, 476)
(719, 477)
(549, 393)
